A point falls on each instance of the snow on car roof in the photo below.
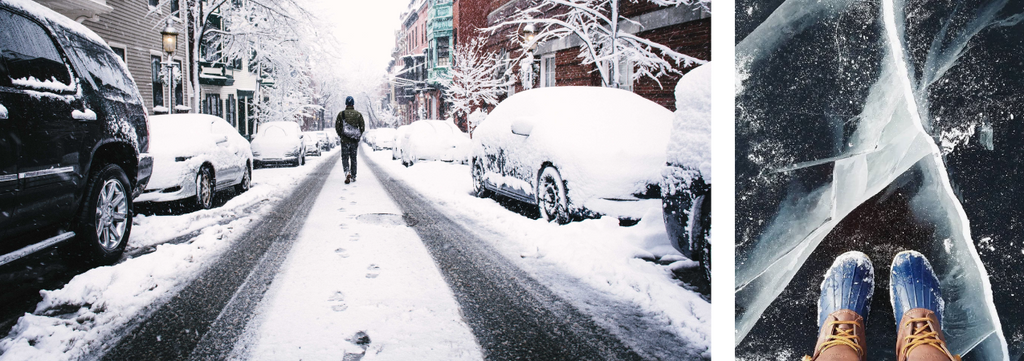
(42, 12)
(690, 143)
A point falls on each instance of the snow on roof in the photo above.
(42, 12)
(690, 144)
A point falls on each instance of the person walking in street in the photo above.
(916, 302)
(350, 128)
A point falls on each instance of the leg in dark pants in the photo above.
(348, 160)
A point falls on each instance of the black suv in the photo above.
(73, 137)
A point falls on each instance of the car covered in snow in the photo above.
(554, 148)
(74, 137)
(278, 142)
(326, 144)
(314, 145)
(380, 138)
(686, 187)
(400, 136)
(434, 140)
(195, 156)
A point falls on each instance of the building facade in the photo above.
(228, 86)
(132, 30)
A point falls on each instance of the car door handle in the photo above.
(3, 112)
(83, 115)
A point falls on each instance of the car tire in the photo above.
(246, 182)
(105, 220)
(479, 188)
(204, 188)
(552, 201)
(700, 231)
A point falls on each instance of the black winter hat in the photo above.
(350, 101)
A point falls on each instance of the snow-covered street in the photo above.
(358, 280)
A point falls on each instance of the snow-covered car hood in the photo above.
(606, 143)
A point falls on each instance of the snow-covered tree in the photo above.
(474, 82)
(604, 43)
(246, 25)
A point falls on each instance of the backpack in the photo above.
(348, 130)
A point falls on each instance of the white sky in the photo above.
(363, 27)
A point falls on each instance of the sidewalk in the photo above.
(356, 267)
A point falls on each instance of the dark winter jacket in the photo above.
(352, 117)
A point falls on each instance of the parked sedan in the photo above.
(380, 138)
(326, 144)
(686, 188)
(401, 133)
(314, 145)
(552, 147)
(435, 140)
(278, 142)
(195, 156)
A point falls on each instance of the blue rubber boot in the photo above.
(842, 307)
(848, 285)
(917, 306)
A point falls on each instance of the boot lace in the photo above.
(924, 335)
(844, 337)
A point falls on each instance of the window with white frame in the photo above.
(626, 74)
(547, 71)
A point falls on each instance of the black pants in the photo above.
(348, 157)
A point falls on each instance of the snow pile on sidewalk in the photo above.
(81, 318)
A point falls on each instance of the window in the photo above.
(29, 52)
(547, 71)
(213, 106)
(230, 110)
(626, 74)
(154, 3)
(158, 84)
(120, 54)
(174, 7)
(103, 68)
(179, 98)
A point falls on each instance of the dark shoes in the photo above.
(916, 301)
(348, 178)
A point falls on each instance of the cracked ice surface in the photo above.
(834, 104)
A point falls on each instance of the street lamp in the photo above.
(170, 41)
(170, 35)
(528, 33)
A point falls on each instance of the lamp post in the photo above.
(526, 70)
(170, 41)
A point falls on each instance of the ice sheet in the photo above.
(869, 66)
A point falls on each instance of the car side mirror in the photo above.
(522, 126)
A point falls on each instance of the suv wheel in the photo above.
(105, 221)
(551, 198)
(700, 230)
(204, 188)
(478, 179)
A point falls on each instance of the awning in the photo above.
(217, 80)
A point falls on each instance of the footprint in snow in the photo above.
(342, 209)
(343, 226)
(341, 252)
(354, 237)
(373, 271)
(340, 298)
